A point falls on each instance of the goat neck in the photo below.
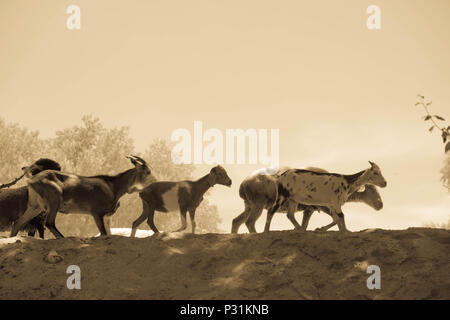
(202, 185)
(362, 180)
(122, 182)
(357, 196)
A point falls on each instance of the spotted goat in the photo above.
(169, 196)
(259, 192)
(328, 190)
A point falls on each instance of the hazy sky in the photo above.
(339, 93)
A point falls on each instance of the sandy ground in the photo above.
(415, 264)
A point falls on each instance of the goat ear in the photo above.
(212, 179)
(371, 163)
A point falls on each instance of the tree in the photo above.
(91, 149)
(19, 147)
(445, 134)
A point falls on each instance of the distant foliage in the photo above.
(446, 173)
(438, 225)
(18, 147)
(91, 149)
(435, 121)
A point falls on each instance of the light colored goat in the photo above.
(259, 191)
(369, 196)
(168, 196)
(329, 190)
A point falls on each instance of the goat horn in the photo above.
(140, 159)
(7, 185)
(132, 158)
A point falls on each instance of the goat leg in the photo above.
(307, 213)
(341, 222)
(192, 216)
(183, 221)
(240, 219)
(254, 215)
(100, 224)
(270, 214)
(29, 214)
(292, 208)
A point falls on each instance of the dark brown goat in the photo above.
(53, 192)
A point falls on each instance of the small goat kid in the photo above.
(53, 192)
(329, 190)
(167, 196)
(259, 192)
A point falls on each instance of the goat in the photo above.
(13, 202)
(53, 192)
(259, 191)
(329, 190)
(168, 196)
(369, 196)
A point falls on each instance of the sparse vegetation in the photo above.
(433, 118)
(445, 135)
(442, 225)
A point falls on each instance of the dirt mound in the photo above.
(414, 264)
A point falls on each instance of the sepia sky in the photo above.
(339, 93)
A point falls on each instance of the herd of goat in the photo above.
(49, 191)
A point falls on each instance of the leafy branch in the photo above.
(434, 118)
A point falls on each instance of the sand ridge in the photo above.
(415, 264)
